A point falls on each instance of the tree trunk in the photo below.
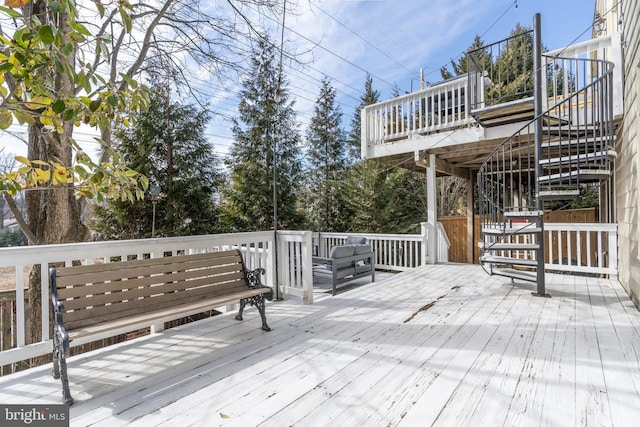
(53, 214)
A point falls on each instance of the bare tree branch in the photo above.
(20, 219)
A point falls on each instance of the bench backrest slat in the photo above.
(96, 293)
(161, 285)
(101, 285)
(82, 274)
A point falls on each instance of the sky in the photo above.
(392, 40)
(389, 39)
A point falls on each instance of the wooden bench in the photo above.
(91, 302)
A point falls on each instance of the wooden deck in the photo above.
(442, 345)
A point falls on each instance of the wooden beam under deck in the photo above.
(438, 345)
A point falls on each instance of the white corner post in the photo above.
(424, 244)
(430, 228)
(307, 268)
(364, 134)
(432, 210)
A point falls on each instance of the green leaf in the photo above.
(82, 172)
(67, 49)
(24, 117)
(11, 12)
(58, 106)
(76, 37)
(6, 118)
(46, 34)
(112, 100)
(23, 160)
(20, 34)
(126, 19)
(80, 28)
(6, 67)
(58, 65)
(55, 7)
(68, 115)
(22, 59)
(131, 82)
(100, 7)
(94, 105)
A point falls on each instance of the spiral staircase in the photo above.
(567, 146)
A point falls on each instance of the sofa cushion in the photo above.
(343, 251)
(361, 249)
(356, 240)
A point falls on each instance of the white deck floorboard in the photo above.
(443, 345)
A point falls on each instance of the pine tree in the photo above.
(327, 162)
(266, 120)
(166, 144)
(370, 96)
(514, 72)
(379, 198)
(480, 55)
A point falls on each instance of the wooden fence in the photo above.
(456, 228)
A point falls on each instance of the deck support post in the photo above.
(432, 210)
(537, 104)
(471, 237)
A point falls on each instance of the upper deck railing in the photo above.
(448, 105)
(442, 106)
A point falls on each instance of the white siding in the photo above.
(627, 173)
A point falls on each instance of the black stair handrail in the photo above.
(579, 130)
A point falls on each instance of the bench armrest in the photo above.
(60, 334)
(254, 282)
(321, 260)
(58, 306)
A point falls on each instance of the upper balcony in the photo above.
(463, 119)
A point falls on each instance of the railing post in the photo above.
(432, 209)
(443, 243)
(20, 307)
(424, 245)
(618, 73)
(270, 264)
(307, 267)
(364, 134)
(612, 250)
(537, 101)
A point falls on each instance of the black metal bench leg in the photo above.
(60, 370)
(243, 303)
(66, 393)
(56, 364)
(258, 301)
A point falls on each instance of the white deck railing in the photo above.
(582, 248)
(575, 245)
(254, 246)
(607, 48)
(442, 106)
(394, 252)
(576, 248)
(294, 264)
